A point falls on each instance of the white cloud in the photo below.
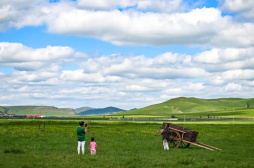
(203, 26)
(129, 76)
(173, 91)
(226, 59)
(238, 74)
(217, 80)
(20, 4)
(79, 75)
(166, 58)
(225, 55)
(233, 87)
(208, 57)
(194, 86)
(165, 23)
(138, 79)
(136, 28)
(105, 5)
(162, 67)
(136, 88)
(20, 13)
(24, 76)
(167, 6)
(25, 58)
(243, 7)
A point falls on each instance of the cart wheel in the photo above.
(184, 144)
(175, 139)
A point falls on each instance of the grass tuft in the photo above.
(14, 150)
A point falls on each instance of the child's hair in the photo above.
(81, 123)
(92, 139)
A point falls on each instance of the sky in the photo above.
(124, 53)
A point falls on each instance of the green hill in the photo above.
(185, 106)
(82, 109)
(101, 111)
(39, 110)
(1, 110)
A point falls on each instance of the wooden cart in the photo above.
(183, 137)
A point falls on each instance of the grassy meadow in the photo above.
(122, 144)
(238, 113)
(196, 108)
(39, 110)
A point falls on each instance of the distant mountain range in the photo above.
(59, 112)
(83, 109)
(38, 110)
(98, 111)
(173, 106)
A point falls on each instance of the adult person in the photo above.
(81, 132)
(165, 136)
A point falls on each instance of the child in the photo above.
(93, 146)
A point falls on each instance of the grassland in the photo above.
(194, 106)
(39, 110)
(179, 107)
(122, 144)
(238, 113)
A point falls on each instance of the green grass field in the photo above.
(180, 107)
(194, 107)
(39, 110)
(241, 113)
(122, 144)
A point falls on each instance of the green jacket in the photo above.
(81, 134)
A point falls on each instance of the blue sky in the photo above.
(124, 53)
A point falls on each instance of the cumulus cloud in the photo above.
(80, 75)
(45, 75)
(243, 7)
(24, 58)
(238, 74)
(226, 59)
(233, 87)
(129, 77)
(224, 55)
(204, 26)
(105, 5)
(161, 67)
(136, 88)
(173, 91)
(20, 13)
(166, 58)
(167, 6)
(136, 28)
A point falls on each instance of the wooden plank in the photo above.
(176, 129)
(208, 146)
(197, 145)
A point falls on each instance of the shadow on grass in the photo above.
(14, 150)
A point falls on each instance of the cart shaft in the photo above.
(197, 145)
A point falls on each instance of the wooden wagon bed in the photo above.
(183, 137)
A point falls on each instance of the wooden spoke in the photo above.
(175, 139)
